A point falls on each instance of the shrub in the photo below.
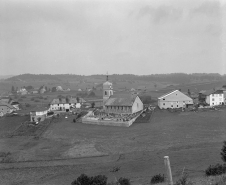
(184, 180)
(157, 179)
(83, 179)
(223, 152)
(124, 181)
(37, 100)
(214, 170)
(32, 99)
(28, 105)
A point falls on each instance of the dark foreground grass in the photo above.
(191, 140)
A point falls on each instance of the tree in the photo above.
(189, 92)
(53, 89)
(93, 104)
(92, 94)
(78, 100)
(13, 89)
(223, 152)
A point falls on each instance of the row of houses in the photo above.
(177, 99)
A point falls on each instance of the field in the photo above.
(66, 149)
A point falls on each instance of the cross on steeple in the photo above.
(107, 76)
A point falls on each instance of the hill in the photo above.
(178, 78)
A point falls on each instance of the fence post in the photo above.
(168, 170)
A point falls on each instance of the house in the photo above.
(38, 114)
(42, 90)
(174, 99)
(22, 91)
(66, 104)
(59, 88)
(212, 97)
(6, 108)
(15, 104)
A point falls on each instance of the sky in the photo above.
(87, 37)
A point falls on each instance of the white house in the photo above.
(66, 104)
(213, 97)
(38, 114)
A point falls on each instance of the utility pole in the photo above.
(168, 170)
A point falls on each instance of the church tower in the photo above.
(107, 90)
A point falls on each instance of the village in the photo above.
(114, 108)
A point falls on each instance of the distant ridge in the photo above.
(178, 78)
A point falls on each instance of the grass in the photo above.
(191, 140)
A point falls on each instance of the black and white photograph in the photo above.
(112, 92)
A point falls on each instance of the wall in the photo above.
(137, 105)
(173, 104)
(107, 123)
(218, 99)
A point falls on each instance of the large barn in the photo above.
(174, 99)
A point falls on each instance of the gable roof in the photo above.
(7, 105)
(211, 91)
(65, 101)
(167, 94)
(123, 100)
(180, 96)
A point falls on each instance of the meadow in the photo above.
(65, 149)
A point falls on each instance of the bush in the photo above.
(157, 179)
(37, 100)
(28, 105)
(124, 181)
(183, 180)
(83, 179)
(32, 99)
(214, 170)
(223, 152)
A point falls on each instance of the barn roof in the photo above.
(181, 96)
(167, 94)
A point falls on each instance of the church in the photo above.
(118, 110)
(120, 104)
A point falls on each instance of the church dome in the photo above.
(107, 85)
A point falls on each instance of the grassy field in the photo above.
(191, 140)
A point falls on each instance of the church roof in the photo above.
(107, 83)
(121, 100)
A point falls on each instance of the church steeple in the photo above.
(107, 90)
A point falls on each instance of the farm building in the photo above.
(6, 108)
(38, 114)
(66, 104)
(212, 97)
(174, 99)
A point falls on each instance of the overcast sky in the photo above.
(119, 36)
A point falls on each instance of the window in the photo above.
(212, 99)
(137, 105)
(171, 105)
(163, 103)
(177, 105)
(105, 93)
(163, 98)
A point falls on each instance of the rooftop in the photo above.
(121, 100)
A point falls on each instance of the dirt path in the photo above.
(59, 162)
